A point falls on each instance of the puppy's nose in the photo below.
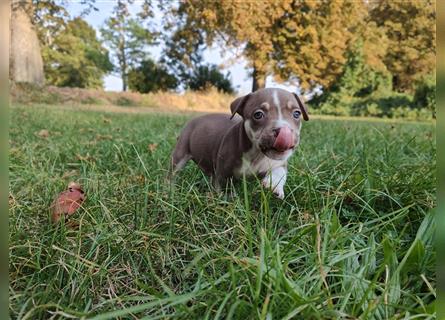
(276, 131)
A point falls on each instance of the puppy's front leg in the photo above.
(275, 181)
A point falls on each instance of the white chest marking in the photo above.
(255, 162)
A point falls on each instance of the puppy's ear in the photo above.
(302, 107)
(238, 105)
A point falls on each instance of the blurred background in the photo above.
(348, 58)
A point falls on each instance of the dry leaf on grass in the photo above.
(152, 147)
(137, 178)
(106, 120)
(11, 200)
(84, 158)
(43, 133)
(69, 174)
(83, 130)
(103, 137)
(67, 202)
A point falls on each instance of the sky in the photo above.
(239, 74)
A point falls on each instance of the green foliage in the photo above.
(184, 48)
(411, 29)
(127, 38)
(75, 57)
(125, 102)
(309, 41)
(363, 91)
(151, 77)
(353, 239)
(425, 94)
(206, 76)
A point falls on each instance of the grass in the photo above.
(352, 239)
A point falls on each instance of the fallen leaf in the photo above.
(83, 130)
(11, 200)
(84, 158)
(306, 217)
(70, 174)
(106, 120)
(152, 147)
(90, 143)
(67, 202)
(43, 133)
(137, 178)
(73, 224)
(104, 137)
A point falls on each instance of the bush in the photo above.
(425, 95)
(363, 91)
(92, 100)
(125, 102)
(151, 77)
(28, 93)
(381, 106)
(205, 77)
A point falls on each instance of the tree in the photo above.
(206, 76)
(200, 23)
(312, 41)
(358, 80)
(26, 63)
(75, 57)
(127, 37)
(150, 77)
(411, 28)
(30, 21)
(303, 40)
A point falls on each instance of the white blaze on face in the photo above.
(279, 122)
(276, 101)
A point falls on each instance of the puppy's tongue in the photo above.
(284, 140)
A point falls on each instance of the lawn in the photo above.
(353, 237)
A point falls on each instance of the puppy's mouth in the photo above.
(266, 150)
(276, 154)
(279, 145)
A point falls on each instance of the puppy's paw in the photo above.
(277, 191)
(279, 194)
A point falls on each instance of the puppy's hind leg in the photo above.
(179, 158)
(179, 162)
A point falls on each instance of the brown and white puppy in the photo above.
(258, 143)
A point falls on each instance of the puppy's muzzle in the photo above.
(284, 139)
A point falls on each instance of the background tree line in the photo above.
(351, 57)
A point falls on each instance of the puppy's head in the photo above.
(272, 120)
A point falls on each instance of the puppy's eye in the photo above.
(258, 115)
(296, 114)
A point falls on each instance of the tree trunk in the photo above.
(25, 59)
(258, 80)
(124, 74)
(123, 58)
(124, 83)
